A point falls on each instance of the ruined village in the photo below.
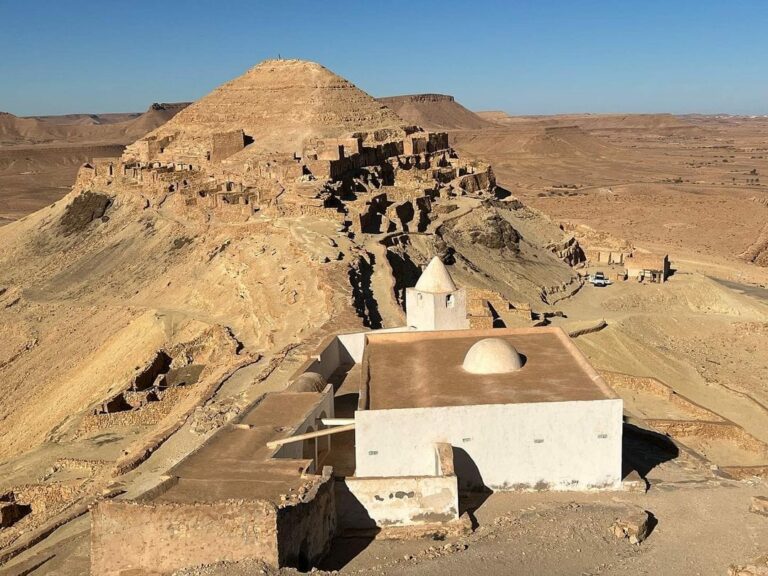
(291, 327)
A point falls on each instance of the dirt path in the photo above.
(568, 533)
(383, 283)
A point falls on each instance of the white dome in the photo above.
(435, 278)
(492, 356)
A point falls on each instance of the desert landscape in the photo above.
(164, 276)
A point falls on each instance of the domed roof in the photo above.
(435, 278)
(492, 356)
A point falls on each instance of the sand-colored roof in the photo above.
(435, 278)
(424, 369)
(647, 260)
(236, 462)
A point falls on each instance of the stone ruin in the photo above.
(382, 179)
(373, 187)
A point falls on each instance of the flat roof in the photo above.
(236, 463)
(424, 370)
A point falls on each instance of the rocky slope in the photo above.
(125, 309)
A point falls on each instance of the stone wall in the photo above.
(305, 529)
(161, 538)
(405, 501)
(478, 181)
(225, 144)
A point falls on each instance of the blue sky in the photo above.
(537, 57)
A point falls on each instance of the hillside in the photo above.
(166, 292)
(280, 104)
(222, 278)
(83, 128)
(434, 112)
(40, 156)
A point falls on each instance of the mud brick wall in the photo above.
(161, 538)
(224, 144)
(306, 528)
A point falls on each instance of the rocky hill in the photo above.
(159, 290)
(280, 104)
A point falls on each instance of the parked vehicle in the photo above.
(598, 279)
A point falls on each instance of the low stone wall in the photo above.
(405, 501)
(704, 431)
(377, 502)
(618, 380)
(146, 538)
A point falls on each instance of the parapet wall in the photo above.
(159, 538)
(305, 529)
(401, 501)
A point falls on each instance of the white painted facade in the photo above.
(573, 445)
(435, 303)
(436, 310)
(404, 501)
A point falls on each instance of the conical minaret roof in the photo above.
(435, 278)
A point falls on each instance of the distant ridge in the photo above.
(66, 129)
(434, 112)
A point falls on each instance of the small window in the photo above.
(450, 301)
(420, 296)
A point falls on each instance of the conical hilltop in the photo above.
(292, 138)
(281, 104)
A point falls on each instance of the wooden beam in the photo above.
(337, 421)
(316, 434)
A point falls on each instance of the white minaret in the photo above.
(435, 303)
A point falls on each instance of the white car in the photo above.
(599, 279)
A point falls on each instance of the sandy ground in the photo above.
(702, 529)
(143, 280)
(687, 186)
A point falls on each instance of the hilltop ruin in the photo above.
(291, 138)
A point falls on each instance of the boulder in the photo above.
(759, 505)
(758, 567)
(635, 526)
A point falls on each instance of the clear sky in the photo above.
(535, 57)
